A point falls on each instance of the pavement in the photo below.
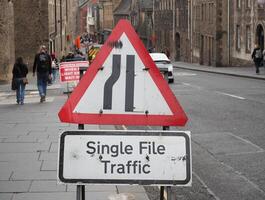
(29, 142)
(245, 72)
(29, 136)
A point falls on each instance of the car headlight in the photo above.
(170, 68)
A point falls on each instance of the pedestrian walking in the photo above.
(263, 55)
(43, 66)
(20, 71)
(55, 67)
(257, 57)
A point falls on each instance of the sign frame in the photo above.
(185, 134)
(177, 117)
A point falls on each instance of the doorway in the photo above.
(177, 38)
(260, 36)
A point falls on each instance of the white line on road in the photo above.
(207, 188)
(231, 95)
(194, 86)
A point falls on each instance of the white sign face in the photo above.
(125, 157)
(142, 93)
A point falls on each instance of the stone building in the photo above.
(247, 29)
(6, 39)
(62, 22)
(171, 19)
(210, 32)
(141, 16)
(31, 27)
(122, 11)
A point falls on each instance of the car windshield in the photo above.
(162, 62)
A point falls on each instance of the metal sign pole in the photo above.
(168, 193)
(80, 189)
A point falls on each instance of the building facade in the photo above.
(248, 23)
(62, 18)
(171, 22)
(7, 50)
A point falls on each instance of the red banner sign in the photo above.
(70, 71)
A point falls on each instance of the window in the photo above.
(177, 15)
(238, 38)
(238, 4)
(211, 12)
(248, 39)
(248, 3)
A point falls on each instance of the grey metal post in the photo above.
(80, 189)
(162, 188)
(170, 195)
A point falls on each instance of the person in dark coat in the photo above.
(20, 71)
(257, 57)
(43, 66)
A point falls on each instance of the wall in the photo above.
(31, 30)
(6, 40)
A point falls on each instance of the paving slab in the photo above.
(5, 173)
(54, 147)
(62, 196)
(14, 186)
(19, 156)
(47, 186)
(23, 147)
(6, 196)
(24, 165)
(48, 156)
(45, 196)
(21, 139)
(49, 165)
(94, 188)
(34, 175)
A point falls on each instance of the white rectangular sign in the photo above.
(125, 157)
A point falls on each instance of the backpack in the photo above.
(258, 53)
(44, 62)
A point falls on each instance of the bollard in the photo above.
(122, 196)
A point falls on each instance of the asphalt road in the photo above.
(227, 120)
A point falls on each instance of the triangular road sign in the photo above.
(123, 87)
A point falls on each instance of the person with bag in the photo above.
(55, 67)
(43, 66)
(257, 57)
(20, 71)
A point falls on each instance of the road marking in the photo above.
(124, 127)
(247, 141)
(231, 95)
(207, 188)
(194, 86)
(184, 74)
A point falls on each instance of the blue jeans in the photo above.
(54, 75)
(20, 90)
(42, 79)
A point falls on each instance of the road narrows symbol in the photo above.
(129, 89)
(116, 70)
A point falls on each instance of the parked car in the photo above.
(164, 65)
